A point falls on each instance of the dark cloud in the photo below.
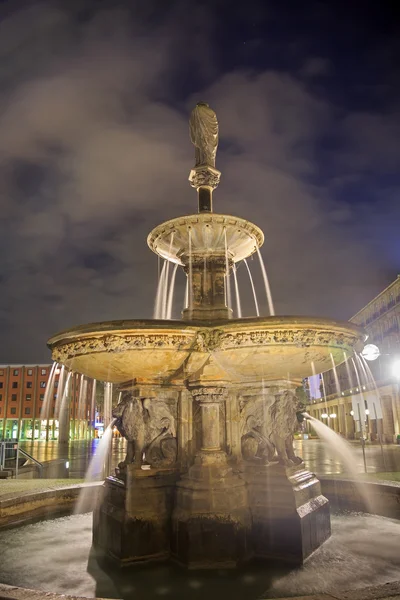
(95, 152)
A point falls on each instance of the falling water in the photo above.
(97, 471)
(190, 298)
(186, 300)
(238, 305)
(64, 396)
(371, 379)
(252, 287)
(81, 398)
(335, 375)
(48, 396)
(93, 404)
(60, 391)
(266, 283)
(160, 293)
(344, 451)
(346, 359)
(164, 291)
(361, 409)
(227, 275)
(108, 389)
(168, 314)
(363, 370)
(324, 392)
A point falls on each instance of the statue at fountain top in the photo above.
(204, 134)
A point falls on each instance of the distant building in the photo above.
(22, 398)
(371, 416)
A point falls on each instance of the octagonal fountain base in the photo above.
(290, 516)
(132, 520)
(213, 517)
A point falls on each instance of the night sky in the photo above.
(95, 152)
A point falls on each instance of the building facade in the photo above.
(45, 402)
(350, 403)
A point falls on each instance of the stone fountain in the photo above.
(208, 405)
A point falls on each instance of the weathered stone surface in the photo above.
(132, 522)
(290, 516)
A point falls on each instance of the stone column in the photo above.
(211, 519)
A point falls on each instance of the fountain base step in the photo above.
(290, 516)
(131, 523)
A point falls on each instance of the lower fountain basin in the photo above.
(268, 348)
(362, 552)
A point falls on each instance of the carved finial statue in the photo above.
(204, 134)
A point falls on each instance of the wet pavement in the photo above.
(317, 457)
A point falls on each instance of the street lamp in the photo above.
(370, 352)
(324, 416)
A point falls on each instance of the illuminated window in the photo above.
(28, 410)
(29, 384)
(15, 372)
(13, 410)
(28, 397)
(43, 371)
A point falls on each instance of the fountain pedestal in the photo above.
(290, 516)
(211, 520)
(131, 523)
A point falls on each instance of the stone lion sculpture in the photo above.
(269, 423)
(149, 428)
(284, 423)
(255, 442)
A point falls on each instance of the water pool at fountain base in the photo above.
(56, 556)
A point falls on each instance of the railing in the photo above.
(30, 457)
(10, 450)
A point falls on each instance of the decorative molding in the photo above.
(204, 176)
(298, 337)
(120, 343)
(209, 394)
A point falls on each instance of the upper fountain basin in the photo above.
(268, 348)
(209, 233)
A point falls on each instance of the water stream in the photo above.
(238, 305)
(252, 287)
(340, 447)
(266, 283)
(227, 275)
(48, 396)
(98, 469)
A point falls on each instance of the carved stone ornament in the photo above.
(299, 337)
(149, 427)
(119, 343)
(209, 394)
(204, 177)
(208, 340)
(268, 424)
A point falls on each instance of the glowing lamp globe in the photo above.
(370, 352)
